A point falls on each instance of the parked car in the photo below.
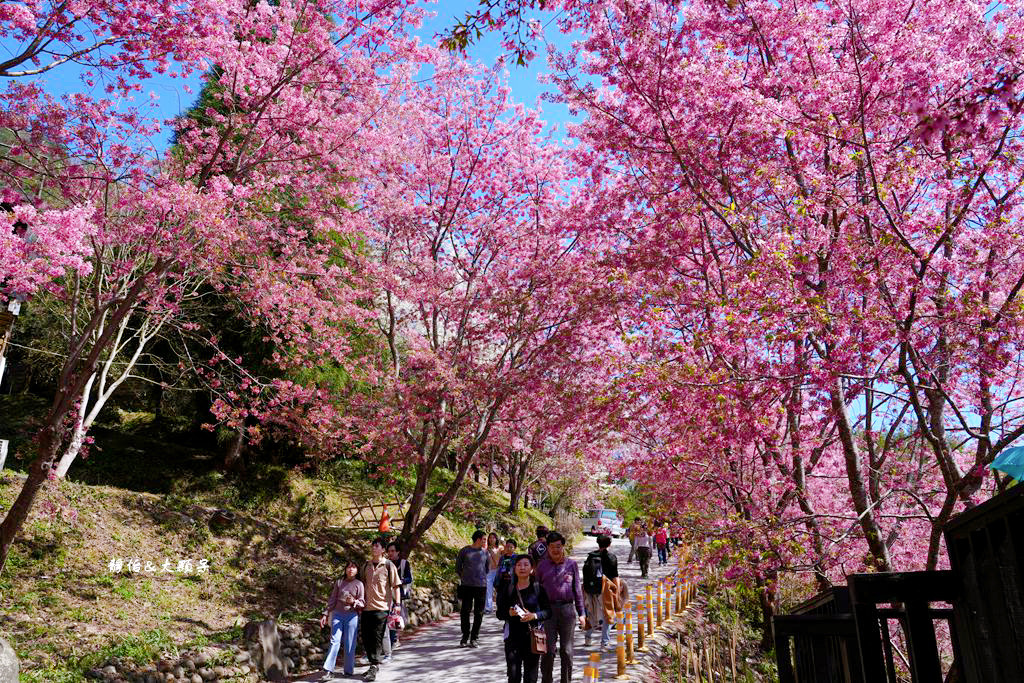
(604, 521)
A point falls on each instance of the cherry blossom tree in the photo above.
(254, 200)
(484, 292)
(56, 148)
(566, 433)
(819, 201)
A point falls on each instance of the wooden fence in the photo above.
(366, 516)
(854, 633)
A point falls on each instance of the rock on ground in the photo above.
(8, 663)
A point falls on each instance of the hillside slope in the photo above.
(65, 607)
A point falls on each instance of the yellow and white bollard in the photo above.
(628, 628)
(620, 648)
(640, 624)
(649, 608)
(589, 674)
(661, 600)
(594, 667)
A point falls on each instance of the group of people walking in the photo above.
(542, 596)
(368, 600)
(643, 541)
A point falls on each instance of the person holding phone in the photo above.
(522, 605)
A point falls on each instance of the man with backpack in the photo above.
(383, 597)
(601, 564)
(506, 567)
(539, 548)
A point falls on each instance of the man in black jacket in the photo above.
(539, 548)
(601, 563)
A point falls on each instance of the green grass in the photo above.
(228, 635)
(141, 648)
(60, 673)
(77, 615)
(124, 588)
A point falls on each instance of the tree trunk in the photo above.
(415, 527)
(79, 366)
(38, 473)
(233, 457)
(416, 501)
(515, 496)
(75, 444)
(82, 424)
(518, 471)
(514, 483)
(855, 476)
(766, 596)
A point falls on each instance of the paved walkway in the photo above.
(432, 653)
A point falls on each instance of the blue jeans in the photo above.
(662, 554)
(489, 602)
(343, 626)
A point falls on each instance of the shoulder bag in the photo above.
(538, 639)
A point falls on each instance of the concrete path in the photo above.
(432, 653)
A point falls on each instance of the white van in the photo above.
(603, 520)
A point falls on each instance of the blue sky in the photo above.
(523, 80)
(173, 99)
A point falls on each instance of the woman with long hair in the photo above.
(494, 557)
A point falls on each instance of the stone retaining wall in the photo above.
(426, 606)
(302, 647)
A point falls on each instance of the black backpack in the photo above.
(537, 551)
(593, 572)
(505, 566)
